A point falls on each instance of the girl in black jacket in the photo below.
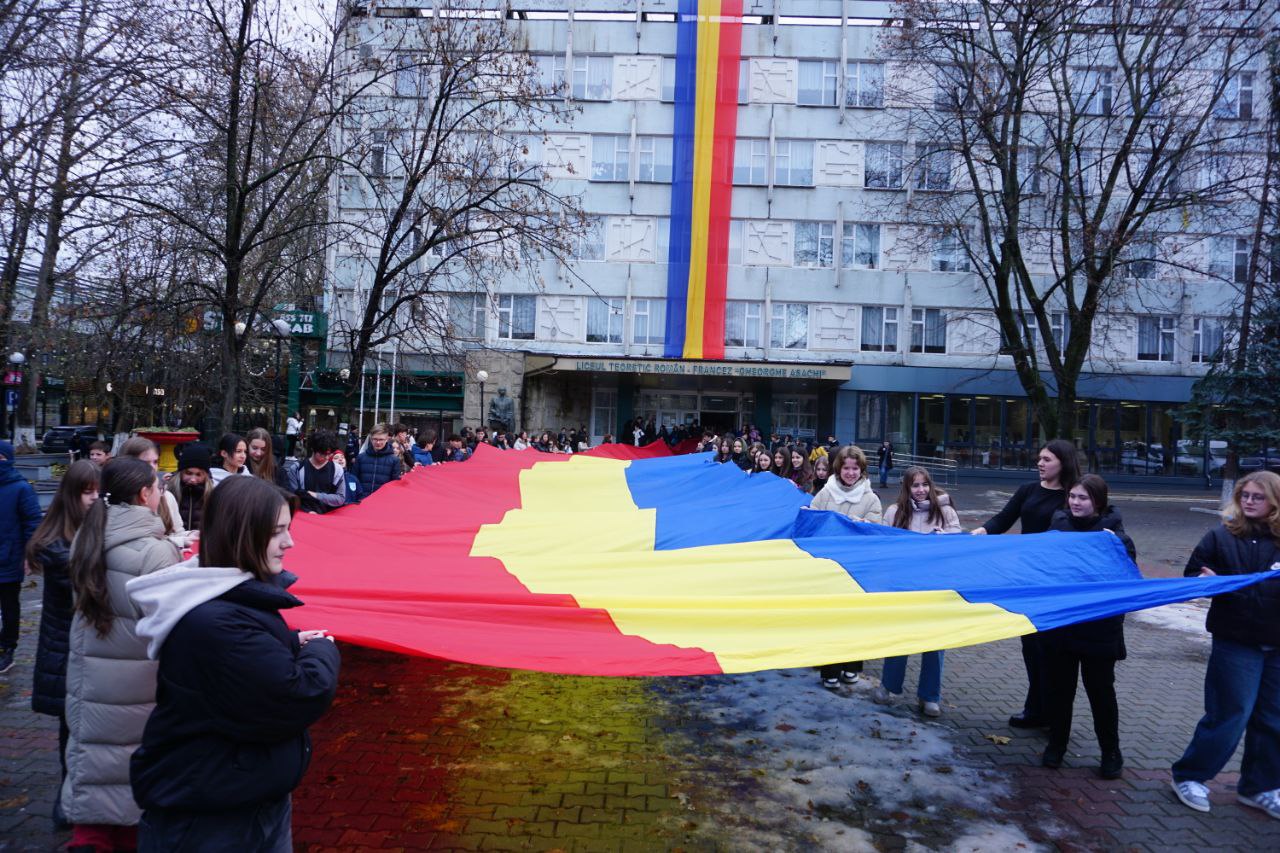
(1086, 651)
(1242, 682)
(227, 742)
(49, 553)
(1033, 505)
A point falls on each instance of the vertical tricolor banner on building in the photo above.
(708, 51)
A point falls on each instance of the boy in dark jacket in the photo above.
(378, 464)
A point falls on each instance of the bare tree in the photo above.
(1064, 149)
(442, 188)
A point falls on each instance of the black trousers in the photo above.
(1062, 670)
(10, 613)
(832, 670)
(1037, 694)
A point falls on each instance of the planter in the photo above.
(168, 441)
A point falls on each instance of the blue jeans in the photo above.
(884, 475)
(264, 828)
(930, 688)
(1241, 696)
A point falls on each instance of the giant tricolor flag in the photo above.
(708, 50)
(675, 565)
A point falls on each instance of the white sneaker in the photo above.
(1195, 795)
(881, 696)
(930, 709)
(1267, 801)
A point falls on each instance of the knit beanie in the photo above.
(195, 455)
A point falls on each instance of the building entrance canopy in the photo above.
(695, 368)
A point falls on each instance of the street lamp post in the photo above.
(481, 377)
(281, 328)
(16, 360)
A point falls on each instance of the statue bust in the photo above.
(502, 411)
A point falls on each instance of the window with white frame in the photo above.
(949, 254)
(610, 158)
(517, 314)
(649, 322)
(604, 319)
(378, 154)
(789, 325)
(819, 82)
(662, 239)
(883, 169)
(864, 85)
(1156, 338)
(1093, 94)
(751, 161)
(742, 323)
(815, 244)
(744, 81)
(1229, 259)
(1059, 327)
(667, 93)
(1140, 259)
(592, 77)
(1208, 334)
(928, 330)
(1029, 170)
(879, 329)
(953, 88)
(590, 243)
(793, 163)
(466, 315)
(934, 171)
(1237, 97)
(653, 159)
(604, 411)
(735, 242)
(860, 246)
(413, 77)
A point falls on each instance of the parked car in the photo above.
(59, 439)
(1191, 458)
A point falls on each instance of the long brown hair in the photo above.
(266, 469)
(239, 521)
(67, 511)
(123, 480)
(905, 507)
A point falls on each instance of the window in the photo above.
(1155, 338)
(860, 246)
(378, 155)
(516, 317)
(653, 159)
(818, 83)
(1028, 329)
(789, 325)
(1093, 92)
(751, 161)
(466, 315)
(884, 166)
(742, 324)
(604, 319)
(1059, 328)
(1140, 259)
(815, 244)
(793, 163)
(934, 170)
(1230, 259)
(1207, 339)
(604, 411)
(413, 79)
(796, 415)
(953, 88)
(590, 244)
(1029, 170)
(610, 158)
(735, 242)
(879, 329)
(744, 81)
(949, 253)
(864, 85)
(590, 79)
(1237, 97)
(928, 330)
(649, 325)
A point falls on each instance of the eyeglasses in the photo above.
(1252, 498)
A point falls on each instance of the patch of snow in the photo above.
(1186, 617)
(987, 836)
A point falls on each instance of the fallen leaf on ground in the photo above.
(1000, 740)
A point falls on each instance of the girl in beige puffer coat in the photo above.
(111, 684)
(921, 507)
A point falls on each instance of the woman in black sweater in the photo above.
(1034, 505)
(1086, 651)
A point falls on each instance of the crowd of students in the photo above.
(183, 699)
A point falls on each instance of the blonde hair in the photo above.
(1233, 517)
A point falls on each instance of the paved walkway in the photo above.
(425, 754)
